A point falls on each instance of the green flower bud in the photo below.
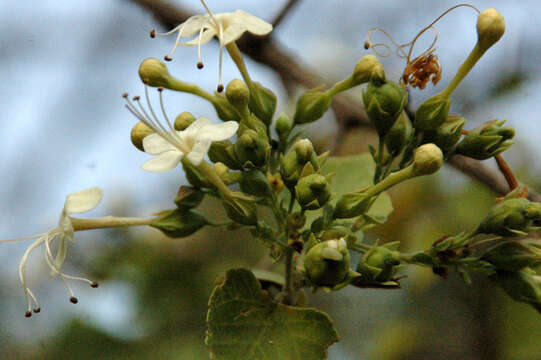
(237, 93)
(487, 140)
(512, 256)
(154, 73)
(327, 263)
(523, 285)
(447, 134)
(511, 217)
(490, 28)
(183, 120)
(383, 103)
(179, 223)
(262, 102)
(188, 197)
(313, 191)
(222, 151)
(194, 176)
(254, 182)
(251, 150)
(427, 159)
(351, 205)
(368, 69)
(379, 265)
(283, 127)
(224, 109)
(397, 137)
(293, 163)
(138, 132)
(432, 113)
(311, 106)
(240, 208)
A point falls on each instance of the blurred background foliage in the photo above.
(64, 67)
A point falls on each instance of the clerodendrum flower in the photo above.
(56, 245)
(227, 27)
(170, 145)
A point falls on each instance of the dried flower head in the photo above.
(421, 70)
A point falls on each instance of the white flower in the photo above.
(56, 244)
(170, 145)
(227, 27)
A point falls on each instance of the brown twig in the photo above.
(283, 13)
(506, 171)
(348, 113)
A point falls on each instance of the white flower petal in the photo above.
(154, 144)
(232, 32)
(219, 132)
(207, 35)
(194, 128)
(165, 161)
(192, 25)
(253, 24)
(83, 201)
(199, 150)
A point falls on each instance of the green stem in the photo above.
(177, 85)
(288, 286)
(389, 181)
(236, 55)
(341, 86)
(108, 222)
(211, 175)
(464, 69)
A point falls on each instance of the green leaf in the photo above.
(352, 173)
(245, 323)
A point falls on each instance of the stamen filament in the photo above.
(29, 295)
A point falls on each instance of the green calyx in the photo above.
(432, 113)
(513, 255)
(399, 134)
(447, 134)
(313, 191)
(188, 197)
(327, 263)
(511, 217)
(240, 208)
(311, 106)
(384, 101)
(179, 222)
(379, 265)
(251, 150)
(487, 140)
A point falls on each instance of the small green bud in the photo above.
(237, 93)
(427, 159)
(183, 120)
(368, 69)
(311, 106)
(511, 217)
(179, 223)
(283, 126)
(292, 164)
(490, 28)
(252, 151)
(194, 176)
(432, 113)
(523, 285)
(262, 102)
(383, 103)
(240, 208)
(327, 263)
(447, 134)
(313, 191)
(224, 109)
(138, 132)
(222, 151)
(254, 182)
(351, 205)
(154, 73)
(379, 264)
(487, 140)
(512, 256)
(397, 137)
(188, 197)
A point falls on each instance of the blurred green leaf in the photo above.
(245, 323)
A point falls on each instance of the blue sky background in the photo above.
(64, 65)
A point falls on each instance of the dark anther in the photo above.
(366, 45)
(94, 285)
(200, 65)
(153, 33)
(37, 310)
(125, 95)
(28, 314)
(167, 58)
(136, 98)
(160, 89)
(220, 88)
(74, 300)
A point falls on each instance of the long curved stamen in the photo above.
(28, 293)
(173, 131)
(23, 238)
(199, 37)
(368, 44)
(221, 41)
(210, 13)
(180, 30)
